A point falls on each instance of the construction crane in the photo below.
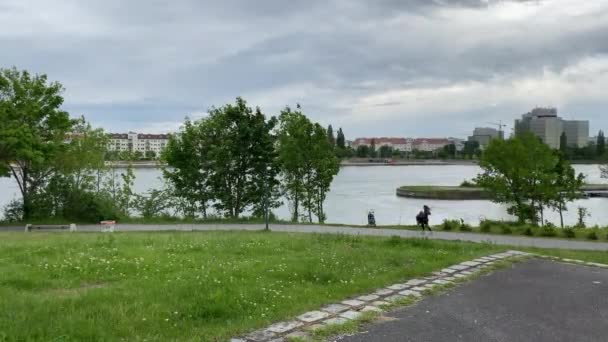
(500, 127)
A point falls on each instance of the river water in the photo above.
(356, 190)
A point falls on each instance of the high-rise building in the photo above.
(545, 124)
(577, 133)
(483, 135)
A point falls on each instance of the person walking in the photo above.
(422, 219)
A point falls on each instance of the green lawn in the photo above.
(193, 286)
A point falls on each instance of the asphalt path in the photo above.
(536, 300)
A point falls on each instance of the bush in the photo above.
(528, 231)
(569, 233)
(450, 225)
(592, 235)
(486, 225)
(13, 211)
(464, 227)
(506, 229)
(548, 231)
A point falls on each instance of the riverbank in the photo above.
(475, 193)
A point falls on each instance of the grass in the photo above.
(170, 286)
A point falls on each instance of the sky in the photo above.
(416, 68)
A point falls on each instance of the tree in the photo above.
(449, 150)
(471, 148)
(293, 150)
(330, 136)
(519, 172)
(241, 157)
(372, 149)
(33, 130)
(188, 169)
(363, 151)
(563, 143)
(308, 163)
(340, 139)
(150, 155)
(567, 187)
(386, 151)
(601, 144)
(154, 204)
(323, 167)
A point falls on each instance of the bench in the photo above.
(71, 227)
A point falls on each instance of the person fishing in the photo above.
(422, 219)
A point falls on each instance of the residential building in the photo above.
(134, 142)
(408, 144)
(398, 144)
(545, 124)
(430, 144)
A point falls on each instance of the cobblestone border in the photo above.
(354, 308)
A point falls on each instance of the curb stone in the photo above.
(351, 309)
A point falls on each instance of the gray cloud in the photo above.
(144, 64)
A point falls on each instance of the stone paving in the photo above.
(351, 309)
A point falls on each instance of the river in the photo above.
(356, 190)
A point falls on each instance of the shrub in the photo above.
(592, 235)
(464, 227)
(13, 211)
(528, 231)
(450, 225)
(486, 225)
(548, 231)
(569, 233)
(506, 229)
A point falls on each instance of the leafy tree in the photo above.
(563, 143)
(330, 136)
(567, 185)
(340, 139)
(372, 149)
(293, 150)
(33, 130)
(363, 151)
(308, 163)
(124, 197)
(155, 204)
(84, 158)
(601, 144)
(386, 151)
(150, 155)
(519, 172)
(471, 148)
(241, 158)
(188, 169)
(449, 150)
(137, 155)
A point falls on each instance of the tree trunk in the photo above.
(296, 204)
(561, 215)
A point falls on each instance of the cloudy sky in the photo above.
(381, 67)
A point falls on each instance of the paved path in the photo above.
(537, 300)
(518, 241)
